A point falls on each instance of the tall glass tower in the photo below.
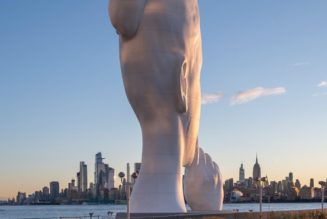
(98, 163)
(242, 174)
(83, 176)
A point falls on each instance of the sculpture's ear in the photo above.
(126, 15)
(182, 88)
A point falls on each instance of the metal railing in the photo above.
(90, 216)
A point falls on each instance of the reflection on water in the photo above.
(102, 210)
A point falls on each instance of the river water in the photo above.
(57, 211)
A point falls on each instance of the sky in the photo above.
(264, 84)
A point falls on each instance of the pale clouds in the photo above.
(319, 94)
(322, 84)
(211, 98)
(299, 64)
(253, 94)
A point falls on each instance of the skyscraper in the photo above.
(79, 183)
(45, 191)
(103, 176)
(83, 176)
(312, 183)
(54, 189)
(256, 170)
(242, 174)
(128, 173)
(290, 177)
(297, 184)
(98, 164)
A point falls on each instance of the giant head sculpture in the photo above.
(161, 59)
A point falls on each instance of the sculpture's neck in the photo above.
(162, 150)
(159, 187)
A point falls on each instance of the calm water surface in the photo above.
(19, 212)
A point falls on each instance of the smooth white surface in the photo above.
(203, 184)
(161, 59)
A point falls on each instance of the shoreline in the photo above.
(111, 203)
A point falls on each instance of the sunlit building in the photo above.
(292, 194)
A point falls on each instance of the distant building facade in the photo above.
(306, 193)
(256, 170)
(242, 174)
(82, 177)
(312, 183)
(104, 177)
(54, 189)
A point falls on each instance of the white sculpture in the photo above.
(203, 184)
(161, 59)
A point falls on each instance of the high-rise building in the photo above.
(256, 170)
(78, 177)
(20, 198)
(312, 183)
(98, 165)
(306, 193)
(290, 177)
(111, 178)
(229, 185)
(242, 174)
(45, 190)
(297, 184)
(54, 189)
(104, 175)
(274, 187)
(71, 186)
(280, 188)
(83, 177)
(128, 173)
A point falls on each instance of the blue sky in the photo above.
(62, 98)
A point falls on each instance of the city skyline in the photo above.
(264, 84)
(106, 187)
(114, 182)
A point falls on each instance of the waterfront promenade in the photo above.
(249, 210)
(300, 214)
